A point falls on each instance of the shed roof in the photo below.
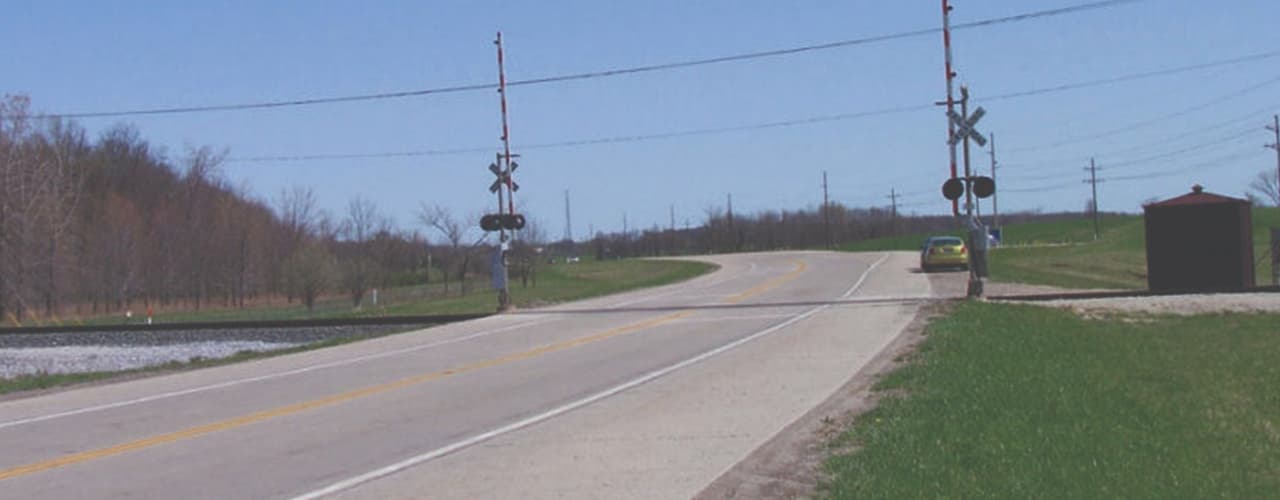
(1198, 196)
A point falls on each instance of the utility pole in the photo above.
(995, 205)
(625, 233)
(1093, 180)
(729, 197)
(1275, 128)
(672, 209)
(826, 212)
(951, 74)
(968, 173)
(963, 123)
(507, 167)
(893, 212)
(568, 220)
(733, 238)
(976, 256)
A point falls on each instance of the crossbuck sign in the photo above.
(503, 178)
(964, 127)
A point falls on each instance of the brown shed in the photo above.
(1199, 241)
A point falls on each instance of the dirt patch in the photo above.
(790, 464)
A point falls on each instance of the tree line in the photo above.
(109, 224)
(98, 226)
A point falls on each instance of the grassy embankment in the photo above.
(560, 283)
(1065, 254)
(1006, 401)
(555, 283)
(1013, 401)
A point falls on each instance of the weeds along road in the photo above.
(648, 394)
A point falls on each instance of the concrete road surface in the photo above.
(649, 394)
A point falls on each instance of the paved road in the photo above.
(649, 394)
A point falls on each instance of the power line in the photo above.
(768, 125)
(1136, 76)
(1160, 156)
(1152, 121)
(602, 140)
(1169, 154)
(1198, 130)
(593, 74)
(1218, 161)
(1195, 166)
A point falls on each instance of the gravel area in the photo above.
(29, 353)
(97, 358)
(1184, 305)
(952, 285)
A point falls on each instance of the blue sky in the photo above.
(104, 56)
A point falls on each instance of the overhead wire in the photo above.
(592, 74)
(1018, 166)
(1184, 169)
(789, 123)
(1235, 136)
(1135, 76)
(1133, 177)
(1145, 123)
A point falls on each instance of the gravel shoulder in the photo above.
(115, 351)
(1182, 305)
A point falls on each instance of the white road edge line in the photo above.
(232, 383)
(560, 410)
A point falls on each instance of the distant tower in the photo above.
(568, 221)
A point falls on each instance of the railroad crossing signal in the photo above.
(983, 187)
(498, 222)
(980, 186)
(953, 188)
(965, 127)
(502, 177)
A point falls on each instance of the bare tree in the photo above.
(454, 233)
(40, 189)
(358, 266)
(299, 217)
(1267, 187)
(309, 272)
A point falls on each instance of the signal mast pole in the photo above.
(504, 163)
(951, 74)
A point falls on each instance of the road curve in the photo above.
(647, 394)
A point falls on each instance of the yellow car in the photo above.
(943, 251)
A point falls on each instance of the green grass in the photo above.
(1064, 253)
(563, 283)
(1075, 260)
(1006, 401)
(555, 283)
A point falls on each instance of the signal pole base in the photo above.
(975, 288)
(504, 302)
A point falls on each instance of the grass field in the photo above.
(566, 282)
(555, 283)
(1064, 253)
(1006, 401)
